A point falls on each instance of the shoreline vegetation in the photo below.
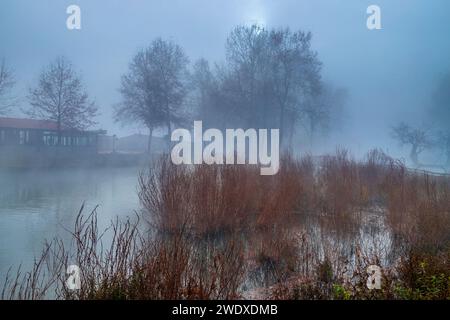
(46, 160)
(226, 232)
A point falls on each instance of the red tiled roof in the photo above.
(28, 124)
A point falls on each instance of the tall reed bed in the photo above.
(226, 232)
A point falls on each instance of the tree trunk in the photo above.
(312, 129)
(281, 126)
(448, 158)
(291, 134)
(58, 143)
(169, 129)
(149, 143)
(414, 155)
(169, 133)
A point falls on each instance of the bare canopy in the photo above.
(6, 83)
(417, 139)
(59, 96)
(154, 88)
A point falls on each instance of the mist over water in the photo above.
(376, 80)
(36, 206)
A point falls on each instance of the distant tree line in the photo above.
(58, 96)
(155, 87)
(6, 84)
(435, 136)
(269, 79)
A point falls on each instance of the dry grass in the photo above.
(218, 232)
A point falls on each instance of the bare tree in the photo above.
(202, 80)
(215, 97)
(295, 72)
(417, 139)
(315, 114)
(59, 96)
(323, 108)
(154, 88)
(246, 81)
(6, 83)
(267, 78)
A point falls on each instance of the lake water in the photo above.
(38, 205)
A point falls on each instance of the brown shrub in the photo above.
(213, 231)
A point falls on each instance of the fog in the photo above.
(386, 89)
(389, 73)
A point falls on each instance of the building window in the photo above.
(50, 139)
(66, 141)
(24, 137)
(92, 140)
(81, 141)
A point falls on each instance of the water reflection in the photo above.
(38, 205)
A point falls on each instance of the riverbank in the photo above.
(55, 159)
(225, 232)
(38, 204)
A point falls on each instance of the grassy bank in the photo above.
(226, 232)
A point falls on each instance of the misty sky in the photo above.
(390, 73)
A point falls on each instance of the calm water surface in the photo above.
(38, 205)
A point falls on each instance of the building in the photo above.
(29, 141)
(133, 144)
